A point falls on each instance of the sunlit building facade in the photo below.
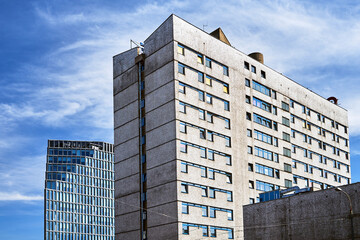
(202, 129)
(79, 191)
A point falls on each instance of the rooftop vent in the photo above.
(334, 100)
(219, 34)
(257, 56)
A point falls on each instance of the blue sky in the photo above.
(56, 73)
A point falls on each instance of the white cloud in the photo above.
(15, 196)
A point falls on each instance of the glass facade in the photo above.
(79, 191)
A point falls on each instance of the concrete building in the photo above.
(202, 128)
(314, 215)
(79, 191)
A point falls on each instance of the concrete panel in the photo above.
(160, 37)
(163, 214)
(126, 149)
(161, 174)
(162, 57)
(128, 113)
(127, 222)
(161, 154)
(160, 135)
(160, 77)
(161, 194)
(160, 115)
(126, 97)
(160, 96)
(127, 131)
(168, 232)
(127, 186)
(126, 79)
(128, 235)
(122, 62)
(127, 204)
(127, 167)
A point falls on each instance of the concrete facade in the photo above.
(191, 155)
(315, 215)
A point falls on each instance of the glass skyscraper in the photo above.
(79, 191)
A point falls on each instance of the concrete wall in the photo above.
(316, 215)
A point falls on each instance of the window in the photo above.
(262, 120)
(209, 117)
(228, 160)
(263, 186)
(246, 65)
(185, 208)
(226, 106)
(183, 147)
(287, 167)
(181, 68)
(202, 133)
(201, 96)
(251, 184)
(263, 153)
(273, 94)
(286, 136)
(184, 167)
(211, 193)
(225, 71)
(200, 77)
(211, 155)
(208, 81)
(248, 133)
(251, 200)
(182, 127)
(253, 69)
(247, 82)
(208, 98)
(250, 167)
(226, 88)
(229, 197)
(212, 213)
(205, 214)
(287, 152)
(286, 121)
(201, 114)
(274, 111)
(247, 99)
(208, 62)
(185, 229)
(285, 106)
(180, 49)
(263, 74)
(204, 192)
(263, 137)
(268, 171)
(210, 136)
(288, 183)
(200, 59)
(227, 123)
(182, 107)
(212, 232)
(261, 88)
(211, 174)
(227, 142)
(203, 172)
(230, 215)
(261, 104)
(184, 188)
(203, 152)
(250, 151)
(276, 142)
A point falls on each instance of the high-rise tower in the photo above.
(201, 129)
(79, 191)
